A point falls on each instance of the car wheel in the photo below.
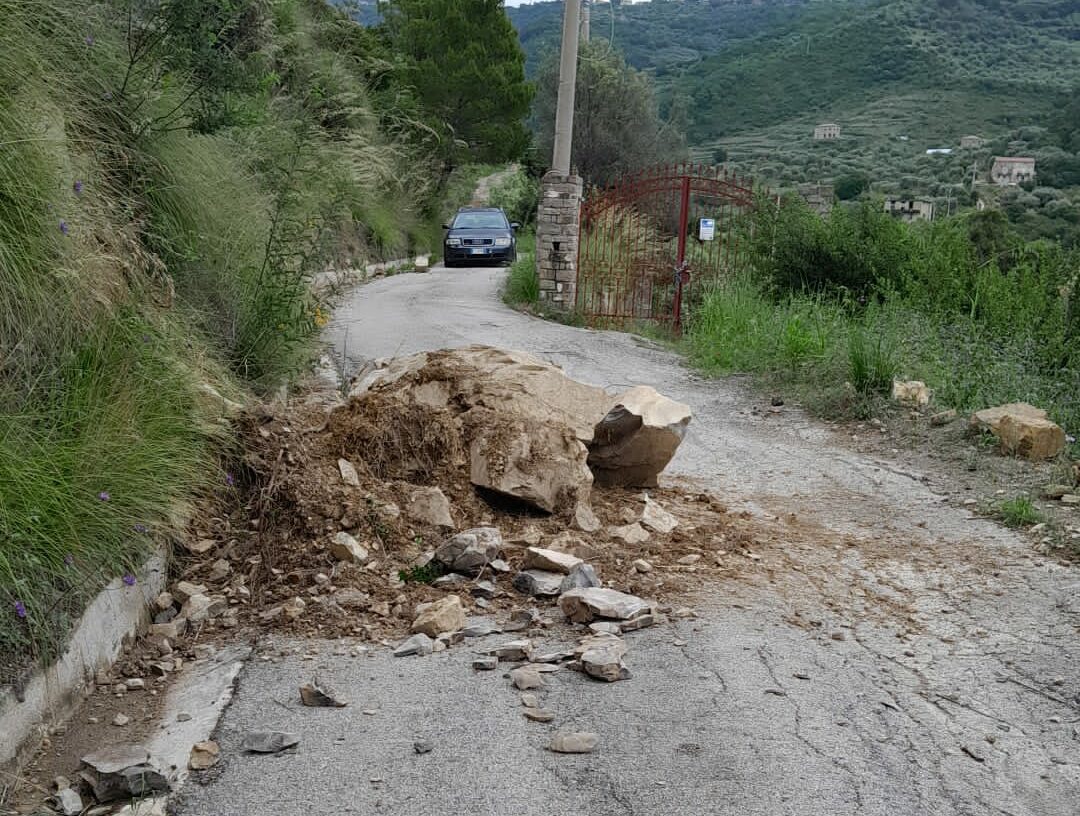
(448, 263)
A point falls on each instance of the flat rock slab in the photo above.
(538, 583)
(268, 742)
(538, 558)
(574, 742)
(470, 550)
(584, 605)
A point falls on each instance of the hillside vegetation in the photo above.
(173, 175)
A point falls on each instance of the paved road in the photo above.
(939, 653)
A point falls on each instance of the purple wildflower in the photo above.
(107, 96)
(129, 579)
(69, 559)
(229, 480)
(64, 227)
(140, 528)
(89, 39)
(20, 609)
(77, 187)
(104, 495)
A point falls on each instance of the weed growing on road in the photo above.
(1018, 512)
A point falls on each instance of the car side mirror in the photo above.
(446, 226)
(514, 225)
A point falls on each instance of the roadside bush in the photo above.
(519, 195)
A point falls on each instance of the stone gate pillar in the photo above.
(557, 239)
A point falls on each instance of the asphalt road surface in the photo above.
(913, 660)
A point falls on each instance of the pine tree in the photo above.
(465, 65)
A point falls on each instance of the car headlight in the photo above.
(453, 242)
(503, 242)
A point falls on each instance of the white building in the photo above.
(1011, 170)
(826, 131)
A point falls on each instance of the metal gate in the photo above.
(645, 238)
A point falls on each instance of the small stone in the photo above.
(315, 697)
(346, 548)
(479, 627)
(573, 742)
(120, 689)
(943, 417)
(530, 536)
(485, 663)
(268, 742)
(419, 644)
(423, 746)
(170, 630)
(438, 646)
(182, 590)
(601, 657)
(220, 569)
(444, 615)
(470, 550)
(204, 755)
(498, 565)
(349, 598)
(450, 638)
(642, 566)
(183, 716)
(838, 635)
(68, 802)
(585, 519)
(120, 720)
(451, 579)
(200, 546)
(657, 519)
(543, 715)
(514, 650)
(526, 677)
(294, 608)
(605, 628)
(429, 505)
(135, 684)
(582, 576)
(583, 605)
(348, 473)
(164, 601)
(538, 583)
(630, 533)
(530, 700)
(483, 589)
(483, 603)
(690, 559)
(538, 558)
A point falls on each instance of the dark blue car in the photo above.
(479, 235)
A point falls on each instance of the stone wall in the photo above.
(557, 239)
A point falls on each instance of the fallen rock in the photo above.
(268, 742)
(583, 605)
(1056, 491)
(164, 601)
(542, 465)
(480, 627)
(428, 505)
(538, 583)
(543, 715)
(121, 720)
(349, 598)
(537, 558)
(483, 589)
(526, 677)
(183, 590)
(911, 392)
(530, 700)
(582, 576)
(451, 579)
(485, 663)
(657, 519)
(573, 742)
(204, 755)
(585, 519)
(68, 802)
(601, 657)
(348, 473)
(630, 533)
(1031, 438)
(122, 773)
(312, 695)
(642, 566)
(605, 627)
(988, 419)
(470, 550)
(444, 615)
(943, 417)
(514, 650)
(293, 608)
(346, 548)
(637, 438)
(423, 746)
(419, 644)
(689, 559)
(568, 542)
(641, 622)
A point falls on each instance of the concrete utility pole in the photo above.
(585, 4)
(564, 110)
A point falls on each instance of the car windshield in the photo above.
(480, 220)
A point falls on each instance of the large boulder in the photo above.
(587, 604)
(470, 550)
(630, 437)
(444, 615)
(542, 465)
(1023, 430)
(637, 438)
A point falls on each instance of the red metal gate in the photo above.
(641, 240)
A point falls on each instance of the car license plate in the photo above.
(478, 251)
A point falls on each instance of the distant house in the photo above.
(971, 142)
(939, 151)
(1010, 170)
(826, 131)
(819, 197)
(910, 209)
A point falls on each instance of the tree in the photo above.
(616, 123)
(851, 186)
(464, 63)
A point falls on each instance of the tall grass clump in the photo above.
(522, 287)
(851, 301)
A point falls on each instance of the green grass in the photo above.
(522, 286)
(1018, 512)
